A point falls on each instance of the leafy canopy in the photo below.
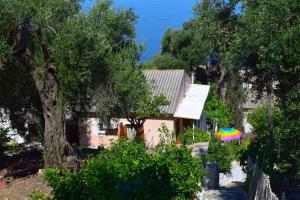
(217, 112)
(81, 47)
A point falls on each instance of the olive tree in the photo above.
(67, 53)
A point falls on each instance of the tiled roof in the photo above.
(169, 83)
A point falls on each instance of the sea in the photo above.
(155, 17)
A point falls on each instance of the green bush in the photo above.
(166, 136)
(128, 171)
(181, 170)
(199, 136)
(4, 139)
(282, 151)
(217, 112)
(219, 152)
(233, 149)
(39, 196)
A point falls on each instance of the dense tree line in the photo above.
(255, 42)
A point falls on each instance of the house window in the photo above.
(102, 129)
(108, 128)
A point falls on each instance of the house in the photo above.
(185, 110)
(249, 105)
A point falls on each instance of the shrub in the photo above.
(219, 153)
(199, 136)
(128, 171)
(217, 112)
(183, 171)
(39, 196)
(233, 149)
(4, 139)
(166, 136)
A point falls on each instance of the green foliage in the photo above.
(219, 152)
(83, 52)
(234, 148)
(284, 153)
(242, 154)
(135, 99)
(39, 196)
(81, 49)
(127, 170)
(216, 111)
(206, 40)
(265, 46)
(189, 45)
(166, 61)
(183, 170)
(166, 136)
(4, 139)
(263, 41)
(20, 101)
(199, 136)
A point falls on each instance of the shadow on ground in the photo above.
(232, 191)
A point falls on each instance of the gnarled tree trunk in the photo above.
(220, 83)
(58, 152)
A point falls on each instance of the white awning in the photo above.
(192, 104)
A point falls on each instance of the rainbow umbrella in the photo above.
(228, 134)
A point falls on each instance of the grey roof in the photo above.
(169, 83)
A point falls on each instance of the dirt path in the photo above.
(20, 189)
(230, 186)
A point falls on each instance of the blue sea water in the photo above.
(155, 17)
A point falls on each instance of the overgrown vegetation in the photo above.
(190, 136)
(4, 139)
(217, 112)
(39, 196)
(282, 161)
(166, 136)
(224, 153)
(219, 153)
(202, 46)
(128, 171)
(56, 60)
(283, 150)
(252, 42)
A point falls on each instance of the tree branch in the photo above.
(45, 50)
(21, 51)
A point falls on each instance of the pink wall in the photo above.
(151, 132)
(101, 140)
(91, 135)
